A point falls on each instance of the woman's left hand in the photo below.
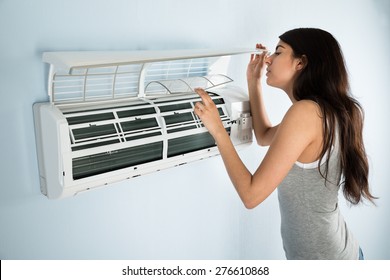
(208, 113)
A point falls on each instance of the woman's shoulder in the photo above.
(303, 118)
(304, 110)
(306, 104)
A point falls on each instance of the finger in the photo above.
(257, 46)
(255, 55)
(198, 109)
(204, 96)
(200, 91)
(199, 106)
(261, 47)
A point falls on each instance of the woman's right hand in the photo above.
(256, 65)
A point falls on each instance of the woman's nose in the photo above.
(268, 60)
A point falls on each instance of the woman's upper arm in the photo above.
(267, 138)
(297, 130)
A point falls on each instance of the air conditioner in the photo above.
(113, 116)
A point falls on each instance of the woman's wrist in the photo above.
(254, 86)
(220, 135)
(254, 82)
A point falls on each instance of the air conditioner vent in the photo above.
(191, 143)
(94, 132)
(90, 118)
(175, 107)
(96, 127)
(110, 161)
(136, 112)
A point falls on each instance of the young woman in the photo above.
(317, 147)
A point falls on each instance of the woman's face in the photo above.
(282, 67)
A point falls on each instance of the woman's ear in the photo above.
(302, 62)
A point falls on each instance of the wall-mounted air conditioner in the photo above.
(113, 116)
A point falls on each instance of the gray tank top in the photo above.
(312, 226)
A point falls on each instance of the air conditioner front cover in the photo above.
(114, 121)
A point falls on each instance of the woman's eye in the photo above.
(276, 53)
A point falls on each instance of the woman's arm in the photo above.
(263, 129)
(297, 131)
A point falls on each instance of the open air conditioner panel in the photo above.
(114, 82)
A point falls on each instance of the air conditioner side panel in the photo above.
(51, 137)
(238, 106)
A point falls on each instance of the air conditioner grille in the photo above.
(95, 144)
(136, 112)
(94, 131)
(90, 118)
(142, 136)
(139, 124)
(155, 123)
(95, 128)
(191, 143)
(109, 161)
(179, 118)
(175, 107)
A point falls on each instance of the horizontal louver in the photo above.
(191, 143)
(110, 161)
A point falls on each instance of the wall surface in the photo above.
(189, 212)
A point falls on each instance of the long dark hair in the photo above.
(325, 81)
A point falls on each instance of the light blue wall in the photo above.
(189, 212)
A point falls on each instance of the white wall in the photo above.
(189, 212)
